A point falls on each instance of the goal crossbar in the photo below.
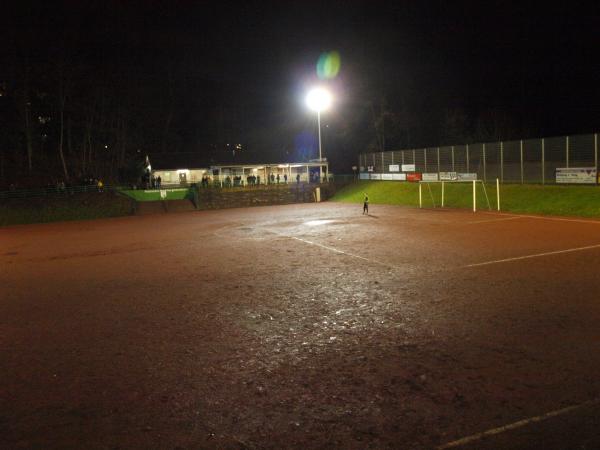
(443, 182)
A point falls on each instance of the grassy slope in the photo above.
(534, 199)
(141, 195)
(58, 208)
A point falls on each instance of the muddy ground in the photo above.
(300, 326)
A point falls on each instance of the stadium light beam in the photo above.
(319, 99)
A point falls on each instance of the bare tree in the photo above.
(62, 99)
(24, 107)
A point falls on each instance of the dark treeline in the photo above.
(88, 89)
(82, 95)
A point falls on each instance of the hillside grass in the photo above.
(582, 201)
(150, 195)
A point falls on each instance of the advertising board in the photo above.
(386, 176)
(394, 168)
(448, 176)
(576, 175)
(413, 177)
(430, 177)
(408, 168)
(399, 176)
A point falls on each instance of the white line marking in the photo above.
(341, 252)
(338, 251)
(590, 221)
(495, 220)
(518, 424)
(517, 258)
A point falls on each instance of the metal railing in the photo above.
(520, 161)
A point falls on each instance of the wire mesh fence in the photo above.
(518, 161)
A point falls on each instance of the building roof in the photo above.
(194, 160)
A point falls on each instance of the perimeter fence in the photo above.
(518, 161)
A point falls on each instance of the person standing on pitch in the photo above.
(366, 205)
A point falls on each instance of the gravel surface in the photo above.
(299, 326)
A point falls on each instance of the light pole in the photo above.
(319, 99)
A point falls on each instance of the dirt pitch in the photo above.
(301, 326)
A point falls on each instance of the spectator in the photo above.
(158, 181)
(285, 178)
(100, 186)
(277, 178)
(298, 178)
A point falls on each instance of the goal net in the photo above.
(454, 193)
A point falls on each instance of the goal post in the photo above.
(443, 185)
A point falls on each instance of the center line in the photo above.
(570, 250)
(331, 249)
(340, 251)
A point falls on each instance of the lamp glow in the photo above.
(318, 99)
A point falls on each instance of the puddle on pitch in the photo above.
(314, 223)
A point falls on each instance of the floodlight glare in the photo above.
(318, 99)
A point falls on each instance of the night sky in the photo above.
(238, 72)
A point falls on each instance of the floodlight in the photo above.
(318, 99)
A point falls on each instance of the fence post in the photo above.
(498, 193)
(468, 158)
(438, 160)
(420, 196)
(484, 171)
(392, 157)
(502, 161)
(567, 150)
(453, 159)
(543, 162)
(596, 153)
(382, 164)
(474, 197)
(521, 161)
(402, 156)
(414, 158)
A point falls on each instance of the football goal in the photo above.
(456, 193)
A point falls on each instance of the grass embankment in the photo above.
(152, 195)
(58, 208)
(581, 201)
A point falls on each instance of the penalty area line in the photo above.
(589, 221)
(537, 255)
(494, 220)
(518, 424)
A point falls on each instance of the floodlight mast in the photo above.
(318, 100)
